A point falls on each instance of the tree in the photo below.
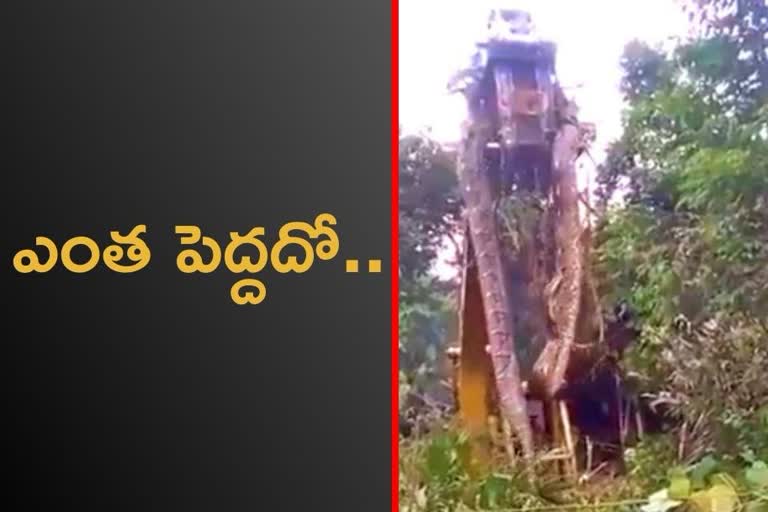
(737, 27)
(429, 207)
(690, 246)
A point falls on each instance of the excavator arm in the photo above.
(520, 127)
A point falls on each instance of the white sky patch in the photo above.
(437, 37)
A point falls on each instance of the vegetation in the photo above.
(429, 212)
(683, 236)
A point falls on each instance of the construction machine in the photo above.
(530, 322)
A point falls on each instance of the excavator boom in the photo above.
(526, 318)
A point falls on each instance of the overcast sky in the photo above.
(437, 35)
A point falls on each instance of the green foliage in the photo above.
(426, 316)
(429, 211)
(689, 246)
(429, 204)
(649, 463)
(708, 487)
(735, 30)
(437, 474)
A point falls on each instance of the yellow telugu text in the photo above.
(315, 241)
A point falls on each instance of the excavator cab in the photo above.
(520, 74)
(512, 77)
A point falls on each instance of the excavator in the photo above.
(532, 358)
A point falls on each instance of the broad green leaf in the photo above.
(757, 475)
(748, 455)
(493, 491)
(702, 470)
(440, 459)
(679, 485)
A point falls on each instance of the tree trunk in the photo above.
(479, 201)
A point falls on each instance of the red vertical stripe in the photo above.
(395, 191)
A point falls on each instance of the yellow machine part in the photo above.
(476, 385)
